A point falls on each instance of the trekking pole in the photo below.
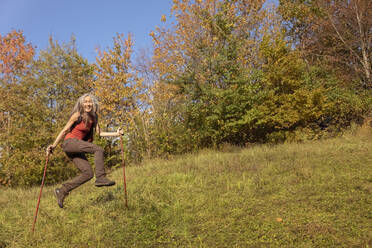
(41, 188)
(123, 163)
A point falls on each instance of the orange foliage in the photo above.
(14, 53)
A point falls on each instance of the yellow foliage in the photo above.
(118, 87)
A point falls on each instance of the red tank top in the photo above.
(79, 131)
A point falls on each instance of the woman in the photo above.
(78, 137)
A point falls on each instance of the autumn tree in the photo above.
(15, 58)
(150, 117)
(291, 98)
(337, 33)
(15, 54)
(121, 93)
(63, 75)
(208, 56)
(226, 74)
(45, 97)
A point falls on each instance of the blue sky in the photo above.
(93, 22)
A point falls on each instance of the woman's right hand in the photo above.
(119, 131)
(50, 149)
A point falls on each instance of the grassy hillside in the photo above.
(315, 194)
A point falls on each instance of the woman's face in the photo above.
(87, 104)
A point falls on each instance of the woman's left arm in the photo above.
(109, 134)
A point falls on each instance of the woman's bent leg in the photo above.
(78, 146)
(75, 145)
(83, 165)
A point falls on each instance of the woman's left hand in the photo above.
(120, 131)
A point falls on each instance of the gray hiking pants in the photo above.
(75, 150)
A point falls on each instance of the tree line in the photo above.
(219, 72)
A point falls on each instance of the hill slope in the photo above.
(315, 194)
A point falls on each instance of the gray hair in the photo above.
(79, 104)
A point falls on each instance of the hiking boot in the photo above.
(104, 181)
(60, 195)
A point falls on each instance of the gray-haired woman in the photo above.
(78, 137)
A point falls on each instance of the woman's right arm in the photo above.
(64, 131)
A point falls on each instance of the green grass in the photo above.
(314, 194)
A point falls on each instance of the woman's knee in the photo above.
(88, 174)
